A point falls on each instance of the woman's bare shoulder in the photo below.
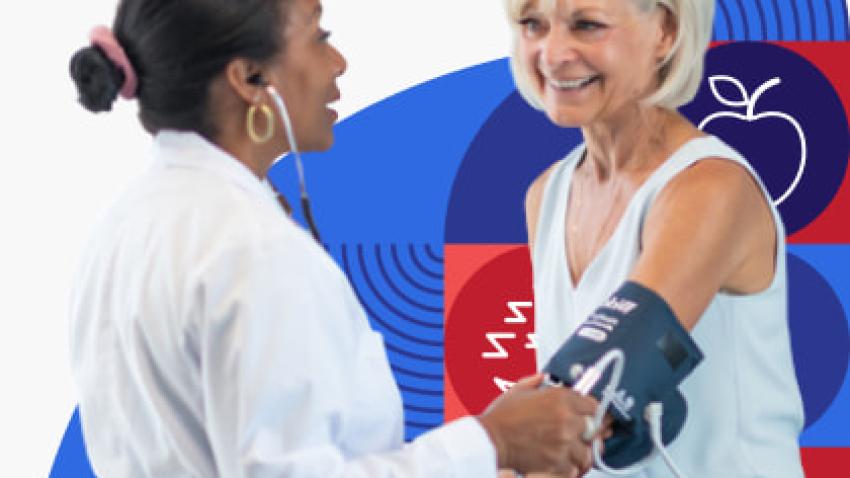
(720, 181)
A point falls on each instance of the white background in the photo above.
(60, 166)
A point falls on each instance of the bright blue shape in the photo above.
(405, 291)
(832, 262)
(429, 364)
(388, 177)
(428, 379)
(773, 10)
(788, 19)
(425, 398)
(736, 18)
(71, 459)
(422, 367)
(385, 317)
(431, 419)
(769, 19)
(823, 24)
(839, 19)
(745, 21)
(411, 431)
(805, 20)
(754, 20)
(722, 23)
(399, 256)
(430, 384)
(423, 323)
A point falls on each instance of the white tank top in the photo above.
(745, 412)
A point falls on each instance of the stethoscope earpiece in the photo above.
(258, 80)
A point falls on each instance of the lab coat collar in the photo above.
(185, 149)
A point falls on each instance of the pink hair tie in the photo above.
(103, 37)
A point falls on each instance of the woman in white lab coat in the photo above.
(211, 335)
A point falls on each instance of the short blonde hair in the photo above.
(680, 73)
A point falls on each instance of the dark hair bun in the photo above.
(98, 80)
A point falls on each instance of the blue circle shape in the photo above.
(513, 147)
(768, 138)
(820, 339)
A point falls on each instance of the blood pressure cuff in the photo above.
(659, 354)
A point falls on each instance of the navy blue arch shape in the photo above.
(781, 20)
(819, 334)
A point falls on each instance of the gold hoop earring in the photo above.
(252, 133)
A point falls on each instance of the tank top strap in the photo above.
(687, 155)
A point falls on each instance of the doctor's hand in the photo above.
(539, 430)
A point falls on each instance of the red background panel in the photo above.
(461, 262)
(826, 462)
(831, 59)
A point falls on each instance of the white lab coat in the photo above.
(211, 336)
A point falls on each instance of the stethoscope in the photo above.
(293, 145)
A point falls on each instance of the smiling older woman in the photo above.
(650, 199)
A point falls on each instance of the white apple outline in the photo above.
(750, 103)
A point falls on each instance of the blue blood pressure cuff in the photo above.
(659, 354)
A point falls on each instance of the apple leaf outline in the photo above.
(715, 80)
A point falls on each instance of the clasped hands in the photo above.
(542, 431)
